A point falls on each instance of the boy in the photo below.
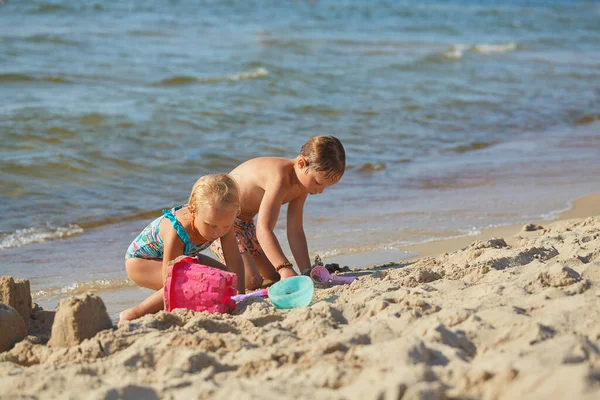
(266, 183)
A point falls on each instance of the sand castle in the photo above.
(78, 318)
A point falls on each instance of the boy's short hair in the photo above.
(325, 154)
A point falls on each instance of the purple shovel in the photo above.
(258, 293)
(319, 274)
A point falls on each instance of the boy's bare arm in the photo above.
(233, 259)
(295, 233)
(268, 213)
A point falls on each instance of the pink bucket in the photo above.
(199, 287)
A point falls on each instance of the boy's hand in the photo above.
(286, 273)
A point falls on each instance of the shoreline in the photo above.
(116, 299)
(583, 207)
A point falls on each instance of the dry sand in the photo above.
(514, 318)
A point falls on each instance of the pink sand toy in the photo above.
(199, 287)
(319, 274)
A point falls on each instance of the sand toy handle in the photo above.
(258, 293)
(320, 274)
(342, 279)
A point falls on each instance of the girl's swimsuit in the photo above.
(149, 245)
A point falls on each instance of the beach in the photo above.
(469, 207)
(513, 317)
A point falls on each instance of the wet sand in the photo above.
(584, 207)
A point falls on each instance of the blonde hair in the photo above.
(215, 190)
(325, 154)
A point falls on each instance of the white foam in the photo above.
(494, 48)
(24, 237)
(456, 51)
(552, 215)
(253, 74)
(256, 73)
(96, 285)
(330, 253)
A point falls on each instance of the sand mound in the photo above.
(16, 294)
(516, 318)
(78, 318)
(13, 327)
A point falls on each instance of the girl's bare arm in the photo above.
(173, 246)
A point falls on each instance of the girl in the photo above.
(186, 230)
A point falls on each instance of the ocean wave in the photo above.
(75, 288)
(52, 39)
(318, 109)
(372, 167)
(148, 33)
(474, 146)
(45, 8)
(28, 236)
(16, 78)
(256, 73)
(136, 216)
(451, 181)
(457, 51)
(10, 77)
(367, 249)
(587, 119)
(494, 48)
(414, 237)
(52, 8)
(24, 237)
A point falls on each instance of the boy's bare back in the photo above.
(258, 175)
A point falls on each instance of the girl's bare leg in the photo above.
(153, 304)
(148, 274)
(145, 273)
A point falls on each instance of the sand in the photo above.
(502, 318)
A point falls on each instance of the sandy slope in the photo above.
(499, 319)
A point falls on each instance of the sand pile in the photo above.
(515, 318)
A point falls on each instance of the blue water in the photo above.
(455, 116)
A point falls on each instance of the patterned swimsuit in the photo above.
(149, 245)
(245, 234)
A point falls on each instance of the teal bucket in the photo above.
(293, 292)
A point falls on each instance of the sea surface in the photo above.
(455, 116)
